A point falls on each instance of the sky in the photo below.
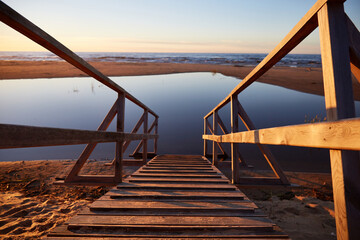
(214, 26)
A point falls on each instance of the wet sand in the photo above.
(307, 80)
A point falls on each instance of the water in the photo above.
(181, 101)
(237, 59)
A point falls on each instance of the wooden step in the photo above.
(171, 221)
(62, 232)
(175, 195)
(174, 175)
(163, 186)
(142, 170)
(176, 168)
(179, 180)
(185, 205)
(150, 212)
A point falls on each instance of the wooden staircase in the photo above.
(172, 197)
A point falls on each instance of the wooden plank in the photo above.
(20, 136)
(174, 175)
(205, 142)
(178, 180)
(183, 205)
(171, 221)
(179, 171)
(145, 146)
(148, 212)
(302, 29)
(30, 30)
(163, 186)
(235, 164)
(215, 148)
(345, 165)
(120, 120)
(62, 232)
(219, 144)
(317, 135)
(176, 193)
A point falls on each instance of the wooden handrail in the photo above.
(340, 52)
(20, 136)
(315, 135)
(30, 30)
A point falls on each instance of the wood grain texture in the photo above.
(20, 136)
(235, 164)
(120, 125)
(345, 165)
(342, 134)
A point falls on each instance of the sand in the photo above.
(307, 80)
(31, 206)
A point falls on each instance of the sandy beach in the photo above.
(302, 79)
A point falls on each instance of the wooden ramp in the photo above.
(173, 196)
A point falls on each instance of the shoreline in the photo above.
(308, 80)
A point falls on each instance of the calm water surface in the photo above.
(181, 101)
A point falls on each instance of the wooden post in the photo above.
(146, 117)
(235, 164)
(215, 152)
(156, 132)
(119, 144)
(205, 141)
(345, 165)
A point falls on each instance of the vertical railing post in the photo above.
(145, 141)
(235, 164)
(205, 141)
(119, 144)
(156, 132)
(345, 165)
(215, 151)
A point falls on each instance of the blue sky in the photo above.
(228, 26)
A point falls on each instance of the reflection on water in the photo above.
(181, 101)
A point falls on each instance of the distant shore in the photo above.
(302, 79)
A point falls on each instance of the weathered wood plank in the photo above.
(179, 180)
(171, 220)
(120, 124)
(20, 136)
(317, 135)
(345, 165)
(174, 175)
(235, 164)
(159, 186)
(176, 193)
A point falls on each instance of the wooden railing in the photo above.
(340, 53)
(15, 136)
